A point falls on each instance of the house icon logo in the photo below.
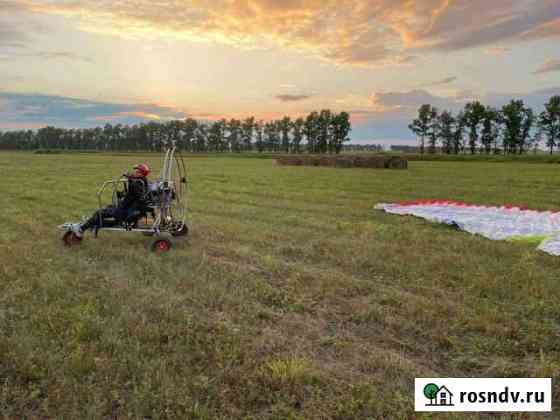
(439, 396)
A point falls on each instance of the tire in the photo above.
(70, 239)
(161, 245)
(183, 231)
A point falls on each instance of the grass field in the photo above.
(291, 299)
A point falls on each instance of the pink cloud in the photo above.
(351, 32)
(549, 66)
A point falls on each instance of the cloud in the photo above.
(29, 110)
(546, 30)
(388, 113)
(61, 54)
(44, 55)
(142, 115)
(405, 103)
(348, 32)
(549, 66)
(292, 98)
(408, 102)
(474, 23)
(325, 29)
(18, 34)
(12, 32)
(497, 50)
(444, 81)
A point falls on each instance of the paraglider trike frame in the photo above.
(164, 201)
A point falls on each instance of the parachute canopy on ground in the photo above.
(496, 223)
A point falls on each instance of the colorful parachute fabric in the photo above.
(497, 223)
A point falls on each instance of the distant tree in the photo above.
(259, 143)
(107, 136)
(277, 135)
(549, 122)
(285, 126)
(529, 120)
(172, 130)
(118, 139)
(189, 129)
(247, 130)
(446, 131)
(310, 130)
(48, 138)
(141, 138)
(223, 141)
(271, 136)
(458, 134)
(536, 140)
(154, 135)
(473, 116)
(297, 130)
(234, 137)
(490, 130)
(30, 139)
(433, 131)
(518, 121)
(200, 141)
(423, 125)
(341, 127)
(324, 131)
(215, 136)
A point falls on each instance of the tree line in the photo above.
(319, 132)
(513, 129)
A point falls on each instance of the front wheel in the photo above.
(71, 239)
(161, 245)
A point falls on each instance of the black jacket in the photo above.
(136, 190)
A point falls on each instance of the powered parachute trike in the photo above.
(164, 216)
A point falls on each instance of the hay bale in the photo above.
(395, 162)
(285, 160)
(326, 161)
(374, 162)
(345, 161)
(377, 162)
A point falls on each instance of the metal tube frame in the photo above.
(166, 186)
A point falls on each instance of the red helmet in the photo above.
(143, 169)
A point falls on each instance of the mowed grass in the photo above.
(292, 298)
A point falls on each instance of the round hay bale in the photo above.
(344, 162)
(396, 162)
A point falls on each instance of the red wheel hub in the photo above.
(162, 246)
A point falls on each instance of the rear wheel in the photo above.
(161, 245)
(71, 239)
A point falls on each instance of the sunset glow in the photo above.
(80, 63)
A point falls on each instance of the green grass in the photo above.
(529, 157)
(291, 299)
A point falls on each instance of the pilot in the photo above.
(130, 206)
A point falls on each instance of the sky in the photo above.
(83, 63)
